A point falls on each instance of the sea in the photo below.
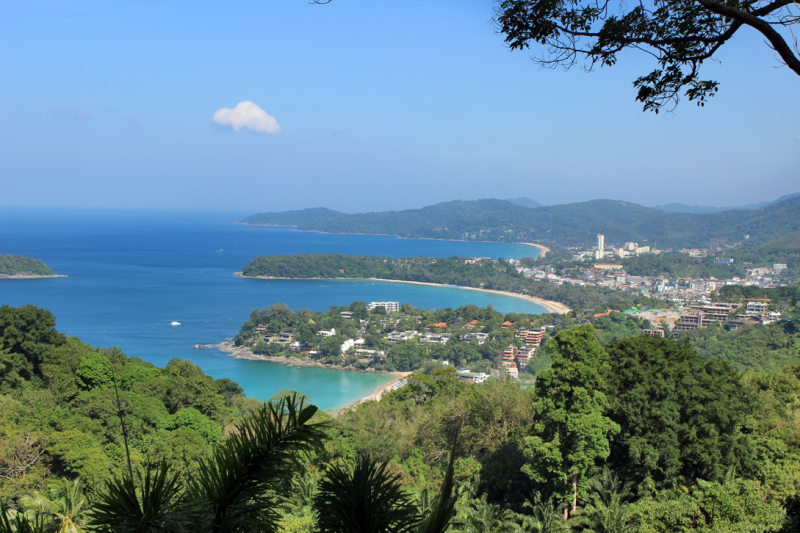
(132, 273)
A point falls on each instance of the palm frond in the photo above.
(444, 505)
(156, 508)
(13, 522)
(237, 487)
(364, 498)
(547, 515)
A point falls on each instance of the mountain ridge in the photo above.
(575, 224)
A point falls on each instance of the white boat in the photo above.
(174, 323)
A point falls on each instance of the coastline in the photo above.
(31, 276)
(549, 305)
(242, 352)
(542, 248)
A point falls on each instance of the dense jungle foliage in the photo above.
(450, 271)
(648, 436)
(11, 265)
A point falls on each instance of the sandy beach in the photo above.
(244, 352)
(551, 306)
(542, 248)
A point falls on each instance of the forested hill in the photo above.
(18, 265)
(291, 218)
(451, 271)
(574, 224)
(58, 417)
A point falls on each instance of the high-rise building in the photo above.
(601, 245)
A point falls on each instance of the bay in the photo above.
(133, 272)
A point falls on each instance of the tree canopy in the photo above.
(679, 34)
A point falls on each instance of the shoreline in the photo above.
(243, 352)
(549, 305)
(31, 276)
(542, 248)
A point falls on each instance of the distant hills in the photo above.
(574, 224)
(292, 218)
(707, 209)
(524, 202)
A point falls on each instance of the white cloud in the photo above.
(247, 115)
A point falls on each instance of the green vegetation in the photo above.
(57, 413)
(680, 266)
(451, 271)
(12, 265)
(637, 434)
(567, 225)
(292, 218)
(679, 38)
(784, 250)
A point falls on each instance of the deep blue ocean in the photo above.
(132, 273)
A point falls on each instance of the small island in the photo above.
(21, 267)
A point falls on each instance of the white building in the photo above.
(323, 333)
(346, 345)
(601, 245)
(391, 307)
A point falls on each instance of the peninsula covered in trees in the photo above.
(18, 266)
(484, 274)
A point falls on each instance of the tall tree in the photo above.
(572, 430)
(679, 34)
(681, 417)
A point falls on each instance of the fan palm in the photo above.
(65, 506)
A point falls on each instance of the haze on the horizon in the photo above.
(359, 106)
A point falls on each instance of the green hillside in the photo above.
(12, 265)
(405, 223)
(574, 224)
(292, 218)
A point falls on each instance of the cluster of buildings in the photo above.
(669, 321)
(515, 359)
(678, 290)
(600, 251)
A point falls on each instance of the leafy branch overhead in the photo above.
(679, 34)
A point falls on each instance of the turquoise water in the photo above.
(132, 273)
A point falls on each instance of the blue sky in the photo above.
(381, 105)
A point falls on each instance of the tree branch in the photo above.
(760, 25)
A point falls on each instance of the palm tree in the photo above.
(65, 506)
(479, 516)
(547, 516)
(365, 498)
(13, 522)
(237, 490)
(607, 510)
